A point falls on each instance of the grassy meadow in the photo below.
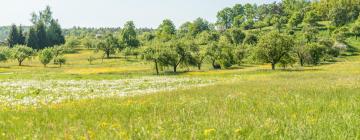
(246, 102)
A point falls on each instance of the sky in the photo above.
(114, 13)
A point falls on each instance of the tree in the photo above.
(251, 39)
(166, 30)
(198, 26)
(41, 35)
(13, 38)
(207, 37)
(238, 21)
(21, 52)
(356, 30)
(338, 16)
(213, 52)
(21, 37)
(316, 52)
(272, 48)
(278, 22)
(301, 52)
(237, 36)
(174, 54)
(225, 18)
(54, 34)
(32, 39)
(109, 45)
(239, 54)
(311, 18)
(127, 51)
(226, 52)
(45, 32)
(4, 54)
(45, 56)
(198, 55)
(60, 61)
(260, 24)
(152, 53)
(295, 19)
(310, 33)
(128, 35)
(340, 34)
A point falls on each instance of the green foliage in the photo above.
(46, 55)
(237, 36)
(238, 21)
(16, 36)
(175, 53)
(60, 61)
(311, 18)
(295, 19)
(340, 34)
(127, 52)
(128, 35)
(225, 18)
(316, 52)
(90, 59)
(41, 36)
(5, 53)
(251, 39)
(355, 30)
(166, 30)
(54, 34)
(213, 52)
(239, 54)
(46, 31)
(198, 26)
(21, 52)
(32, 39)
(310, 33)
(273, 47)
(207, 37)
(109, 45)
(153, 53)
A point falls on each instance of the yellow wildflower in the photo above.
(209, 131)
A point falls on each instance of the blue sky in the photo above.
(114, 13)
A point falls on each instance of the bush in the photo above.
(45, 56)
(4, 54)
(60, 61)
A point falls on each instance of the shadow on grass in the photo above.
(288, 70)
(353, 51)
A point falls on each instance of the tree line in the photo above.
(282, 34)
(45, 32)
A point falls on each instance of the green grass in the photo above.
(253, 102)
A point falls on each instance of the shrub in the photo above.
(45, 56)
(21, 52)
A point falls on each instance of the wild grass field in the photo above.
(123, 99)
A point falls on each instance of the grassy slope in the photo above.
(320, 102)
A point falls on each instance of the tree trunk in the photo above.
(302, 62)
(175, 68)
(199, 66)
(156, 67)
(20, 62)
(273, 66)
(108, 54)
(213, 64)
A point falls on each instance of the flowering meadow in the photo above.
(250, 102)
(35, 92)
